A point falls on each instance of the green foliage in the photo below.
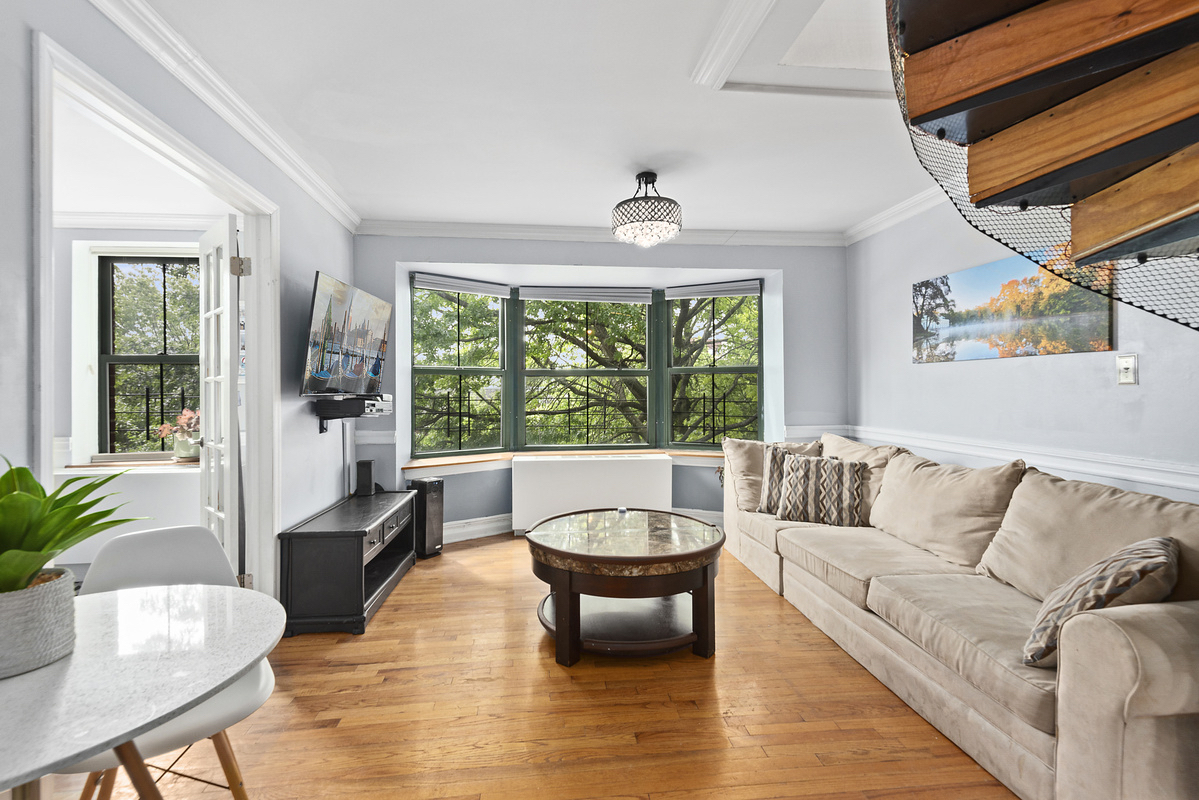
(584, 365)
(35, 526)
(155, 312)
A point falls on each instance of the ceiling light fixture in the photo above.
(644, 220)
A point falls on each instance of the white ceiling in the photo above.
(541, 112)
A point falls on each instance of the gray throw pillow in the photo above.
(823, 490)
(772, 470)
(1143, 572)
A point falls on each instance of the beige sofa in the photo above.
(1119, 716)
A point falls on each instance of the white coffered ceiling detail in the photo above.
(537, 115)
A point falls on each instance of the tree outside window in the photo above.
(149, 349)
(582, 373)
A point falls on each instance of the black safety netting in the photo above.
(1166, 284)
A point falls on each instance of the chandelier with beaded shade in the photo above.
(646, 220)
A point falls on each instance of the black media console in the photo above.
(339, 566)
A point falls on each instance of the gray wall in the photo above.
(696, 487)
(312, 471)
(1066, 402)
(471, 495)
(813, 309)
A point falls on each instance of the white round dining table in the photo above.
(142, 656)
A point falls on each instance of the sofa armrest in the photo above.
(732, 533)
(1128, 703)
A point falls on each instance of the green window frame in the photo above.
(626, 402)
(149, 360)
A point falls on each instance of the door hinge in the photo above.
(240, 266)
(245, 581)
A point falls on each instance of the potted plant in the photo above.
(186, 431)
(37, 609)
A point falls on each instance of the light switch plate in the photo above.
(1126, 369)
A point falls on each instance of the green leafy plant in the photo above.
(35, 526)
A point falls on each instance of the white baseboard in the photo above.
(62, 452)
(463, 530)
(1142, 474)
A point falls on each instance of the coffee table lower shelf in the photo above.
(642, 626)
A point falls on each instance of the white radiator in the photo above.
(543, 486)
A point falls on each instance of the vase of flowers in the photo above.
(186, 431)
(37, 605)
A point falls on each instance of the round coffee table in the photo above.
(632, 569)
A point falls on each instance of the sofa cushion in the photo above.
(1055, 528)
(825, 490)
(848, 558)
(876, 459)
(976, 627)
(1144, 572)
(951, 510)
(774, 457)
(745, 470)
(764, 528)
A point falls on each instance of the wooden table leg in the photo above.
(28, 791)
(568, 641)
(135, 768)
(703, 613)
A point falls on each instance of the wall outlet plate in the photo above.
(1126, 369)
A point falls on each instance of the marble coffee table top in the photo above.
(632, 542)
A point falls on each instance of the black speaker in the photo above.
(430, 506)
(366, 478)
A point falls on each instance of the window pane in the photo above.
(144, 396)
(714, 331)
(451, 329)
(137, 309)
(570, 335)
(183, 308)
(456, 412)
(706, 407)
(582, 410)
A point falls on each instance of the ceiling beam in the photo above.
(1150, 112)
(1155, 207)
(738, 26)
(1049, 44)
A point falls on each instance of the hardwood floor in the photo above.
(453, 692)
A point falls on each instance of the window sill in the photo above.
(448, 464)
(112, 467)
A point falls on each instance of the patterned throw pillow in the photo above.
(1143, 572)
(772, 470)
(823, 490)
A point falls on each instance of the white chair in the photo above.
(162, 557)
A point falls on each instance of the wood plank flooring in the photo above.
(453, 693)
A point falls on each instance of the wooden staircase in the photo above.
(1087, 103)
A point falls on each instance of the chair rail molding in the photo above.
(149, 30)
(1143, 471)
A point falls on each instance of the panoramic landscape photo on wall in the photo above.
(1007, 308)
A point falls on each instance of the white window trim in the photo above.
(85, 331)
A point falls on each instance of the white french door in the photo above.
(219, 361)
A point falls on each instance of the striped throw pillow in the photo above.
(823, 490)
(1143, 572)
(772, 470)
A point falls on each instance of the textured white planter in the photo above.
(37, 625)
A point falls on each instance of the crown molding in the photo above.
(94, 220)
(737, 27)
(148, 29)
(564, 233)
(916, 204)
(810, 91)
